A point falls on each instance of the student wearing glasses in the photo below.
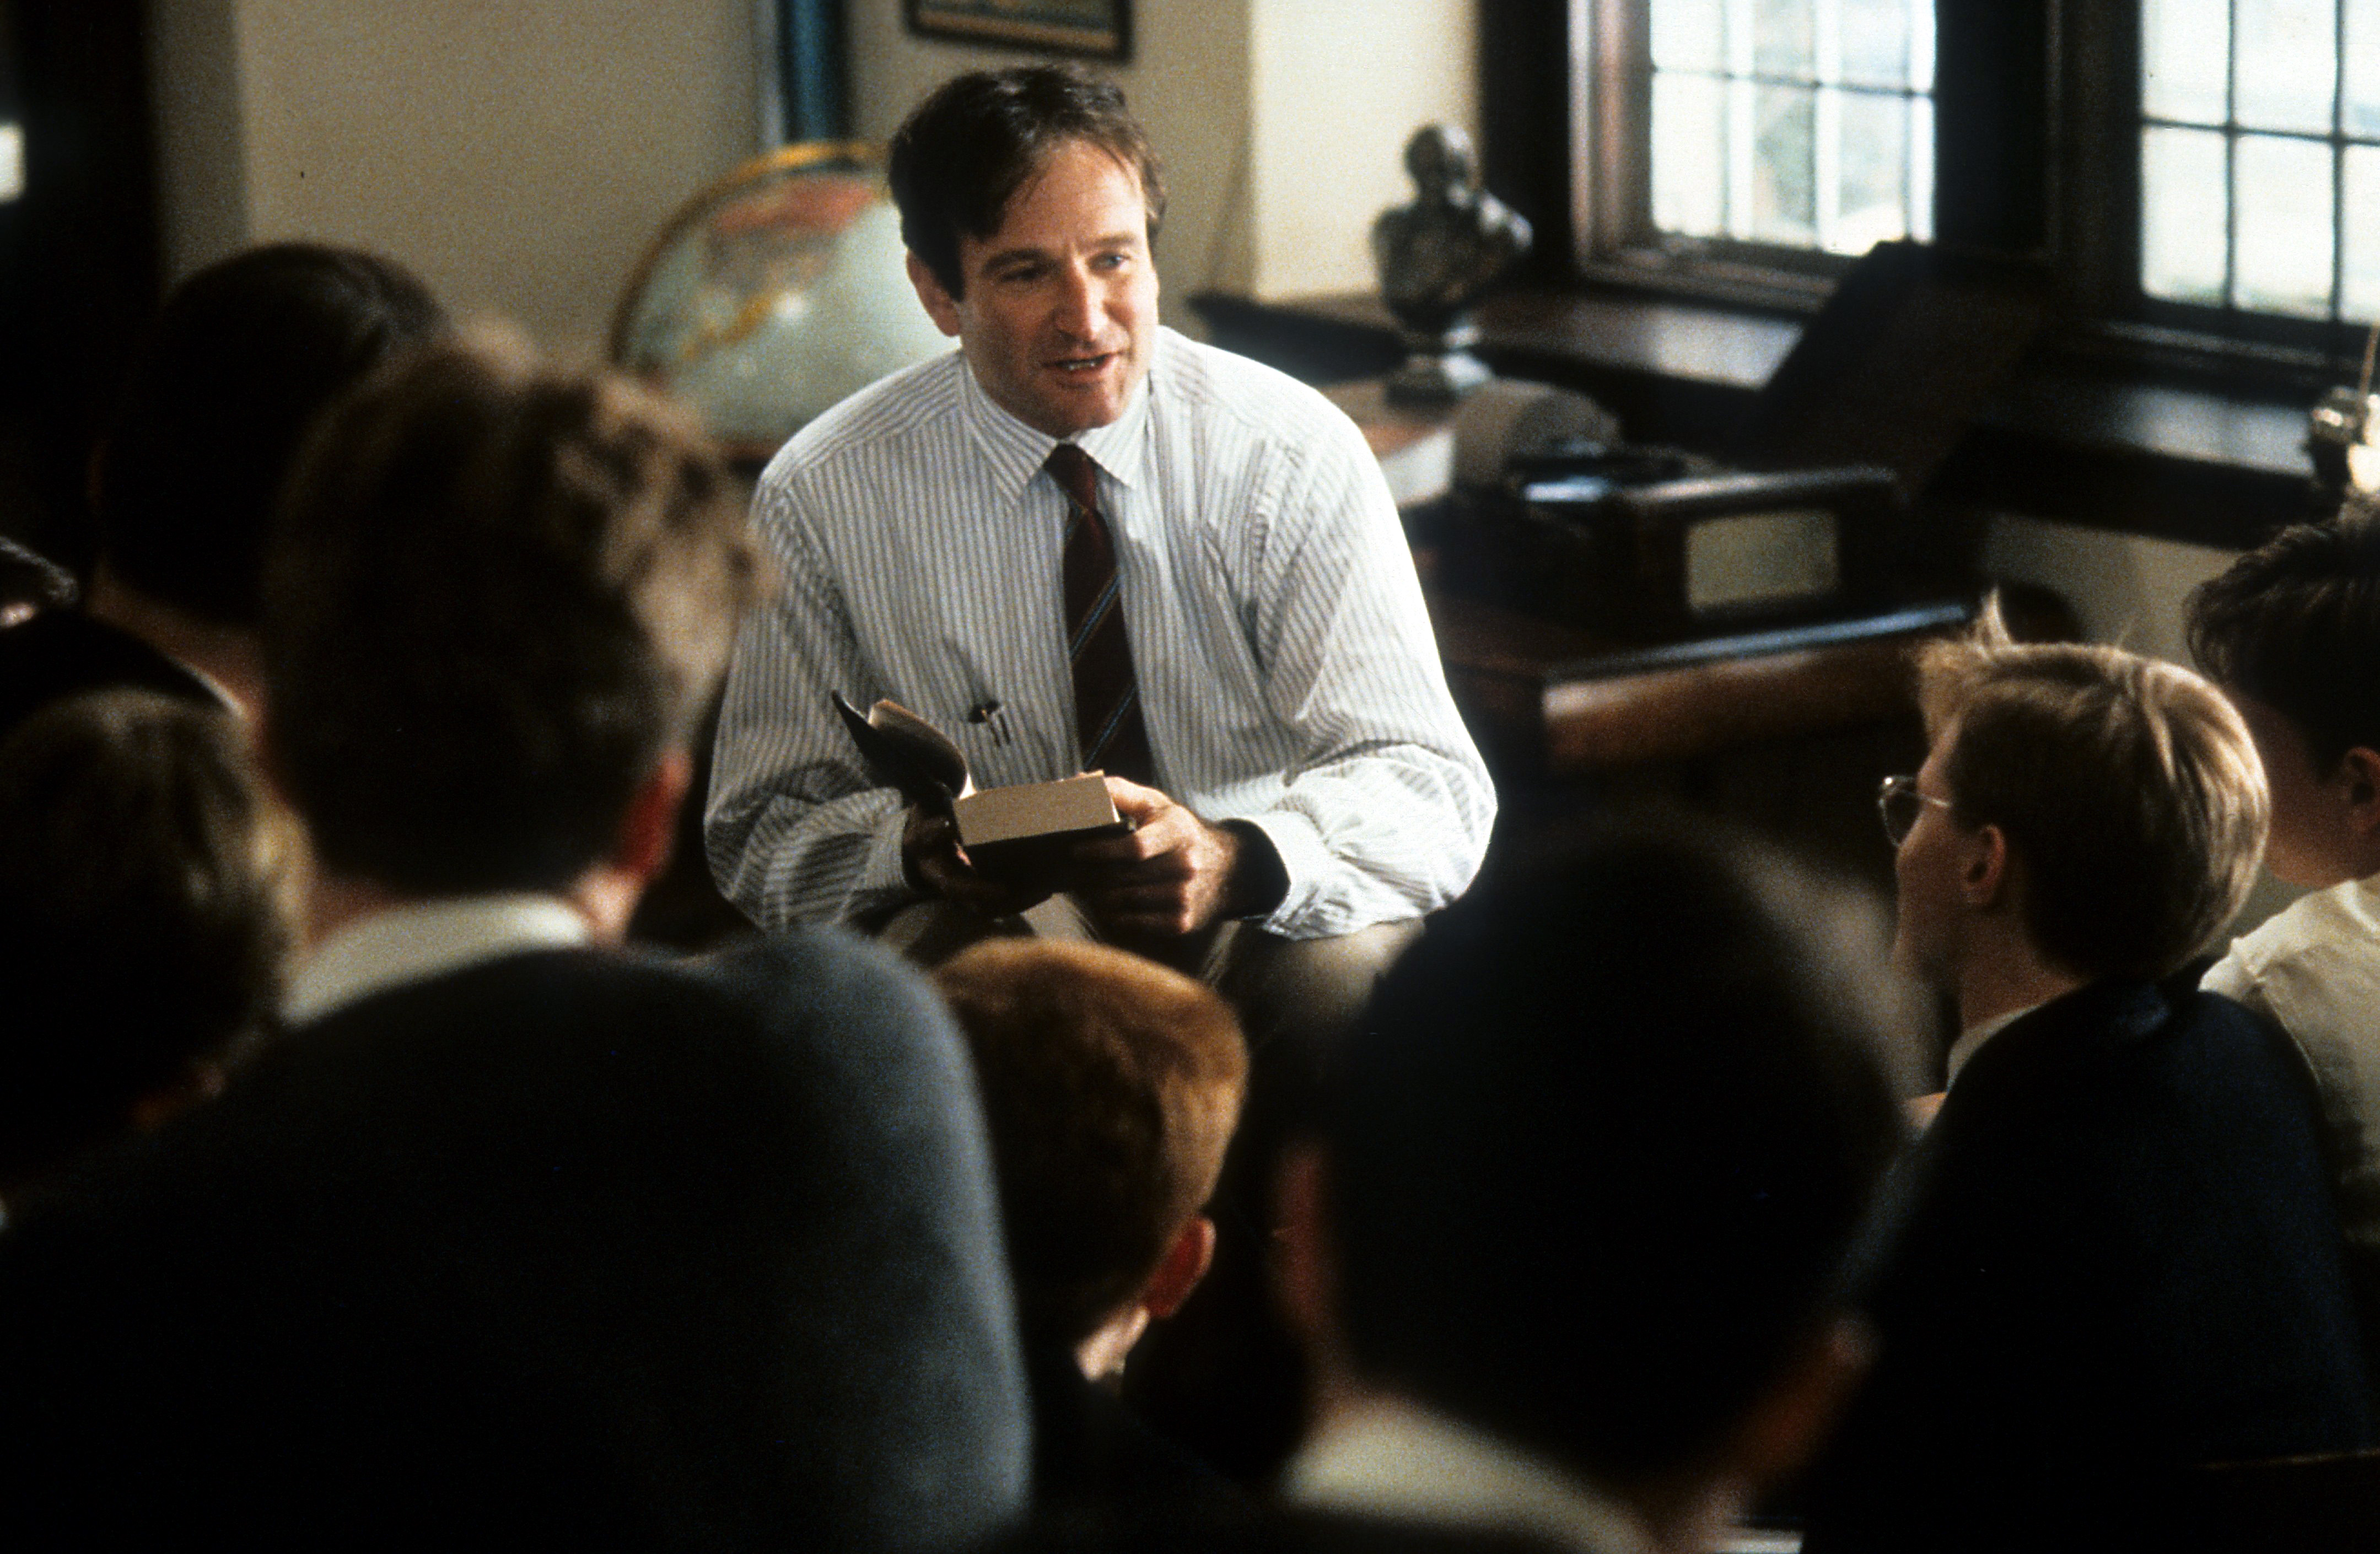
(2120, 1258)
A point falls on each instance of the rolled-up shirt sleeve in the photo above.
(795, 829)
(1386, 808)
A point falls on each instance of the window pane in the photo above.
(2185, 59)
(1742, 158)
(1785, 39)
(1872, 160)
(1783, 208)
(2359, 287)
(2361, 113)
(2288, 63)
(1686, 35)
(1689, 155)
(2184, 213)
(1747, 143)
(2284, 228)
(1921, 168)
(1875, 43)
(1921, 46)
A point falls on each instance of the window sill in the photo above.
(2072, 441)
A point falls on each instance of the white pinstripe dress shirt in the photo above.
(1287, 669)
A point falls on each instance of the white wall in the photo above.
(1282, 124)
(2127, 588)
(519, 154)
(1338, 90)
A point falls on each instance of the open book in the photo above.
(1013, 832)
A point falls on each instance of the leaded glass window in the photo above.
(1802, 124)
(2260, 155)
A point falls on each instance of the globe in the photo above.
(775, 293)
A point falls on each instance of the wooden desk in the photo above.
(1786, 732)
(1551, 702)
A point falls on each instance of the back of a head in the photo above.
(246, 353)
(2128, 788)
(2295, 624)
(1606, 1141)
(498, 593)
(145, 909)
(1110, 1087)
(976, 138)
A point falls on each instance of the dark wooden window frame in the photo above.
(2036, 109)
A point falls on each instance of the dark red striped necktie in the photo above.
(1107, 697)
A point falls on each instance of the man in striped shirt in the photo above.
(967, 538)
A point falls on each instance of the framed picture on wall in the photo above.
(1097, 28)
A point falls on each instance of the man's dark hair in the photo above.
(245, 354)
(963, 152)
(2295, 624)
(498, 593)
(1602, 1148)
(145, 909)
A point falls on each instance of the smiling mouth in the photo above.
(1080, 366)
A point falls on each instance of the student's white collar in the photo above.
(421, 939)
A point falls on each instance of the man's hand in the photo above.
(936, 864)
(1168, 878)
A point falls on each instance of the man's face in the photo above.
(1929, 869)
(1059, 312)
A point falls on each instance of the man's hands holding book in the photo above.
(1142, 865)
(936, 864)
(1171, 875)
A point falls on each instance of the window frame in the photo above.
(1612, 138)
(2037, 113)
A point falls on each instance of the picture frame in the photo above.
(1088, 29)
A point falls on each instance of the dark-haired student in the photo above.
(2291, 631)
(1577, 1249)
(244, 355)
(518, 1239)
(1110, 1087)
(147, 903)
(2121, 1260)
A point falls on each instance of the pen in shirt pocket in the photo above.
(991, 713)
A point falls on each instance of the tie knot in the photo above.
(1077, 475)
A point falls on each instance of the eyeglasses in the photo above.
(1899, 802)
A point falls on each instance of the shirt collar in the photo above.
(422, 939)
(1017, 452)
(1397, 1459)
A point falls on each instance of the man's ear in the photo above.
(2357, 781)
(1983, 874)
(648, 828)
(940, 305)
(1178, 1272)
(607, 894)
